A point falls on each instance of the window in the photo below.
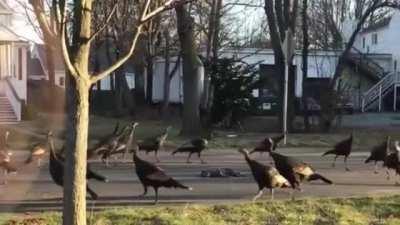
(374, 38)
(62, 81)
(130, 79)
(363, 42)
(395, 65)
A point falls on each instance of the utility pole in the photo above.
(288, 50)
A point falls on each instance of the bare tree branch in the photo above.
(144, 18)
(106, 22)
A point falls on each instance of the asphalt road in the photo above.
(33, 190)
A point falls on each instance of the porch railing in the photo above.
(16, 102)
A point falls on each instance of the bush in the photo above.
(233, 82)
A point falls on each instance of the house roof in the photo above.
(6, 34)
(58, 60)
(377, 25)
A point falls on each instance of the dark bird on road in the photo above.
(154, 144)
(105, 142)
(196, 146)
(303, 171)
(153, 176)
(378, 153)
(265, 176)
(5, 159)
(107, 147)
(342, 148)
(285, 168)
(56, 169)
(268, 144)
(392, 161)
(127, 143)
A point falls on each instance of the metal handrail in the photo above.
(389, 76)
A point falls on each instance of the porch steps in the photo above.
(7, 115)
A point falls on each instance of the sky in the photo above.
(249, 17)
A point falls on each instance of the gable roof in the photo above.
(6, 34)
(377, 25)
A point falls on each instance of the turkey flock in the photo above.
(286, 171)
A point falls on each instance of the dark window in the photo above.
(363, 42)
(19, 63)
(374, 38)
(62, 81)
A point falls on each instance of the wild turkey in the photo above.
(285, 168)
(56, 169)
(154, 144)
(126, 143)
(304, 172)
(197, 146)
(268, 144)
(107, 147)
(38, 151)
(378, 153)
(265, 176)
(5, 159)
(152, 175)
(104, 142)
(342, 148)
(392, 161)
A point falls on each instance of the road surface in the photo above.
(33, 190)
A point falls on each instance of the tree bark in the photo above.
(76, 155)
(281, 16)
(75, 165)
(306, 45)
(167, 77)
(193, 73)
(50, 64)
(149, 79)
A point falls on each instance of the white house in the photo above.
(13, 68)
(382, 39)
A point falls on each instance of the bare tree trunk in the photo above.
(193, 73)
(167, 77)
(306, 45)
(123, 96)
(149, 79)
(75, 166)
(281, 16)
(50, 64)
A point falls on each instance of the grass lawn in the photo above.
(26, 133)
(352, 211)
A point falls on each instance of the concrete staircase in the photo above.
(7, 115)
